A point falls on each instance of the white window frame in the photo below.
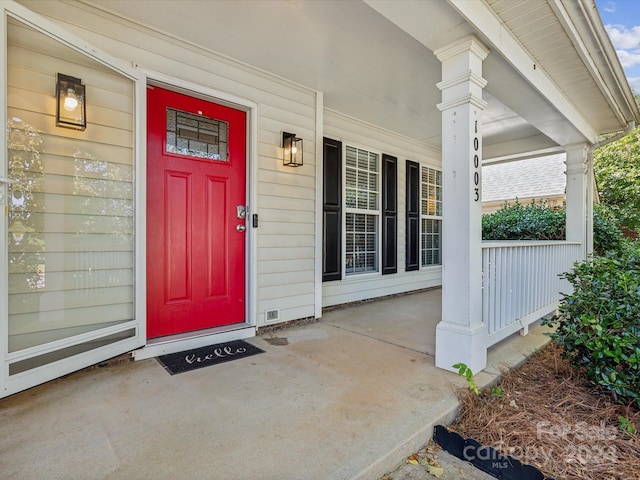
(347, 210)
(428, 216)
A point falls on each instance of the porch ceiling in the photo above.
(558, 34)
(369, 59)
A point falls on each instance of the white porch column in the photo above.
(461, 336)
(578, 195)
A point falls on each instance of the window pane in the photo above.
(361, 254)
(431, 204)
(196, 136)
(373, 162)
(430, 242)
(362, 193)
(350, 241)
(431, 192)
(363, 200)
(363, 159)
(361, 174)
(350, 178)
(373, 201)
(351, 198)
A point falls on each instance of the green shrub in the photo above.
(538, 221)
(618, 178)
(535, 221)
(607, 236)
(598, 325)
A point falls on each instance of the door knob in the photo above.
(240, 228)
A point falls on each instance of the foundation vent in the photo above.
(271, 316)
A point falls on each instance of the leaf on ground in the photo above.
(412, 461)
(436, 471)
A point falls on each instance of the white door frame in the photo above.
(188, 340)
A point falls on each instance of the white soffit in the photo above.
(366, 67)
(559, 38)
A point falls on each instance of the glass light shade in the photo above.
(291, 150)
(70, 103)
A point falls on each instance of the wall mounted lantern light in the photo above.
(291, 150)
(70, 106)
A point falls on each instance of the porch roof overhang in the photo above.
(553, 76)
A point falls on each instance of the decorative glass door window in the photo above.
(431, 216)
(362, 193)
(197, 136)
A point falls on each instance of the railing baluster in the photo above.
(521, 280)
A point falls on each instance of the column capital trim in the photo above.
(467, 44)
(463, 100)
(576, 146)
(576, 169)
(469, 77)
(576, 159)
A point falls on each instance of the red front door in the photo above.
(196, 193)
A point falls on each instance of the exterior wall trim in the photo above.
(318, 215)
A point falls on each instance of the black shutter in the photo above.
(389, 214)
(332, 210)
(413, 217)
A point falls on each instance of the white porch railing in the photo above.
(521, 282)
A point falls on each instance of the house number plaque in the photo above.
(476, 164)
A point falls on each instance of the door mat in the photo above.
(205, 356)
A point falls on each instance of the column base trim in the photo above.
(461, 344)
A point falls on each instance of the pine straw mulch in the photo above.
(552, 417)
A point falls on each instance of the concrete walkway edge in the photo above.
(390, 461)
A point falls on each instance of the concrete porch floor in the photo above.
(346, 398)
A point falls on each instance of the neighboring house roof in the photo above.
(531, 178)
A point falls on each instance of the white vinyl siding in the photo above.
(430, 216)
(284, 197)
(362, 214)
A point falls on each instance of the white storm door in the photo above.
(69, 262)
